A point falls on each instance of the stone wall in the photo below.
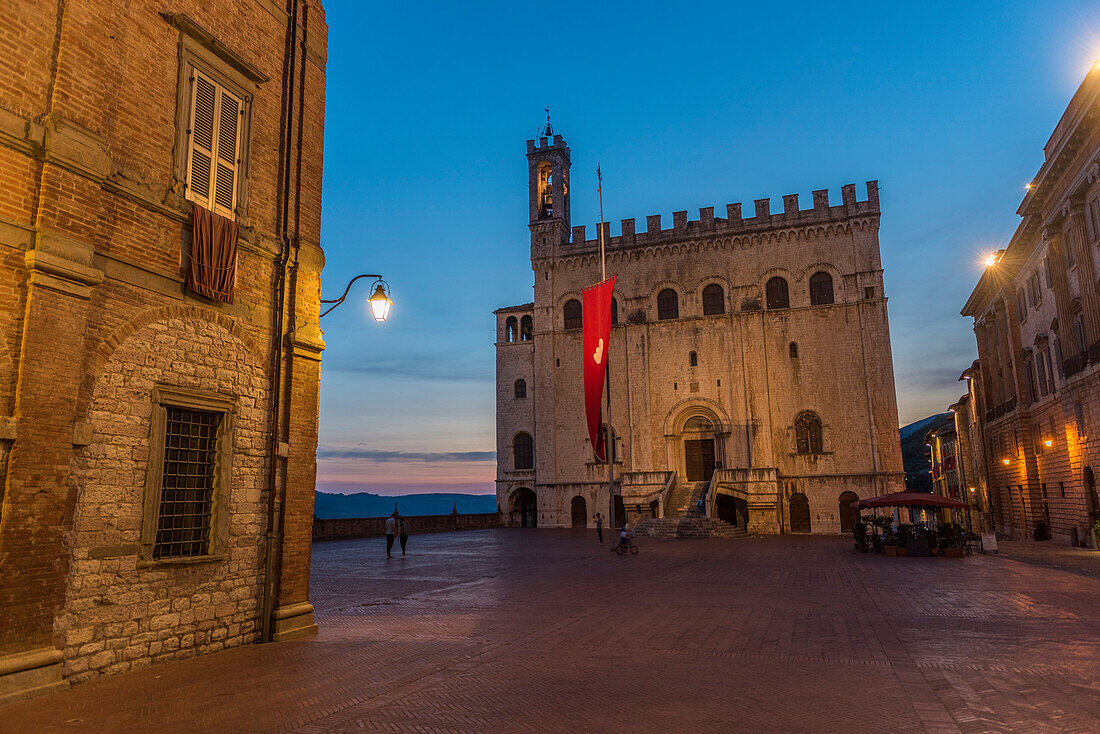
(95, 315)
(365, 527)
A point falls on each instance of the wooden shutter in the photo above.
(214, 144)
(204, 100)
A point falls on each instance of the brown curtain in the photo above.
(213, 267)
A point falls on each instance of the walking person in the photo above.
(404, 535)
(391, 531)
(599, 527)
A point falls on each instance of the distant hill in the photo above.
(365, 504)
(914, 454)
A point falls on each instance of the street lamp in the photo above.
(379, 301)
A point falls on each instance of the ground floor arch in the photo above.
(733, 510)
(799, 513)
(523, 509)
(578, 512)
(847, 512)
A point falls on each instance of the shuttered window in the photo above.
(214, 144)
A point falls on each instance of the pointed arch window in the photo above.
(572, 314)
(807, 434)
(510, 329)
(668, 305)
(526, 329)
(520, 388)
(714, 300)
(776, 293)
(821, 289)
(523, 450)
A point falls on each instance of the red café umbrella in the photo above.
(910, 499)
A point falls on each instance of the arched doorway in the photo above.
(847, 513)
(579, 512)
(699, 452)
(800, 513)
(523, 509)
(733, 510)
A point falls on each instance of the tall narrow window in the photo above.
(213, 142)
(572, 314)
(807, 433)
(520, 388)
(524, 451)
(185, 515)
(510, 329)
(821, 289)
(526, 329)
(693, 359)
(614, 312)
(668, 305)
(1021, 305)
(714, 300)
(776, 293)
(793, 350)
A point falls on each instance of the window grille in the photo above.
(776, 293)
(714, 300)
(214, 142)
(185, 514)
(524, 450)
(668, 304)
(821, 289)
(573, 314)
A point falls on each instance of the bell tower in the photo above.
(548, 188)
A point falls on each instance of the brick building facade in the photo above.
(157, 446)
(750, 364)
(1036, 312)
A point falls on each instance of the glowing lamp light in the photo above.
(380, 302)
(972, 489)
(991, 260)
(1028, 186)
(1005, 461)
(1048, 443)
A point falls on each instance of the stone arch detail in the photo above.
(164, 313)
(690, 408)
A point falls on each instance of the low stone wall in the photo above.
(365, 527)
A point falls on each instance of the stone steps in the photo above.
(696, 526)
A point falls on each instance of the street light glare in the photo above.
(991, 260)
(380, 303)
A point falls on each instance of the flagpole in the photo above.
(609, 440)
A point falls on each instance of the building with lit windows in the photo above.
(750, 364)
(1036, 312)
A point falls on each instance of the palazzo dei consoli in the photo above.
(751, 373)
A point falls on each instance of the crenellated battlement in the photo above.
(763, 219)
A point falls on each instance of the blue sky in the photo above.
(429, 106)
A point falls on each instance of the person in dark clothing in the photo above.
(391, 531)
(404, 535)
(599, 527)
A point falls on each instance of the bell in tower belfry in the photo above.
(548, 182)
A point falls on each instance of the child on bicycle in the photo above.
(625, 537)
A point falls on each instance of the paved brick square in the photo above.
(519, 630)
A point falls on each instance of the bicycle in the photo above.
(621, 549)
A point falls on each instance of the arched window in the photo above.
(821, 289)
(521, 388)
(510, 329)
(794, 350)
(614, 448)
(526, 329)
(572, 312)
(546, 185)
(776, 293)
(807, 434)
(523, 447)
(614, 312)
(848, 514)
(668, 305)
(693, 359)
(714, 300)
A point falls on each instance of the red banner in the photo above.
(597, 338)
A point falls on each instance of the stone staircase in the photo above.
(690, 526)
(684, 498)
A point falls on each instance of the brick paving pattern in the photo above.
(518, 630)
